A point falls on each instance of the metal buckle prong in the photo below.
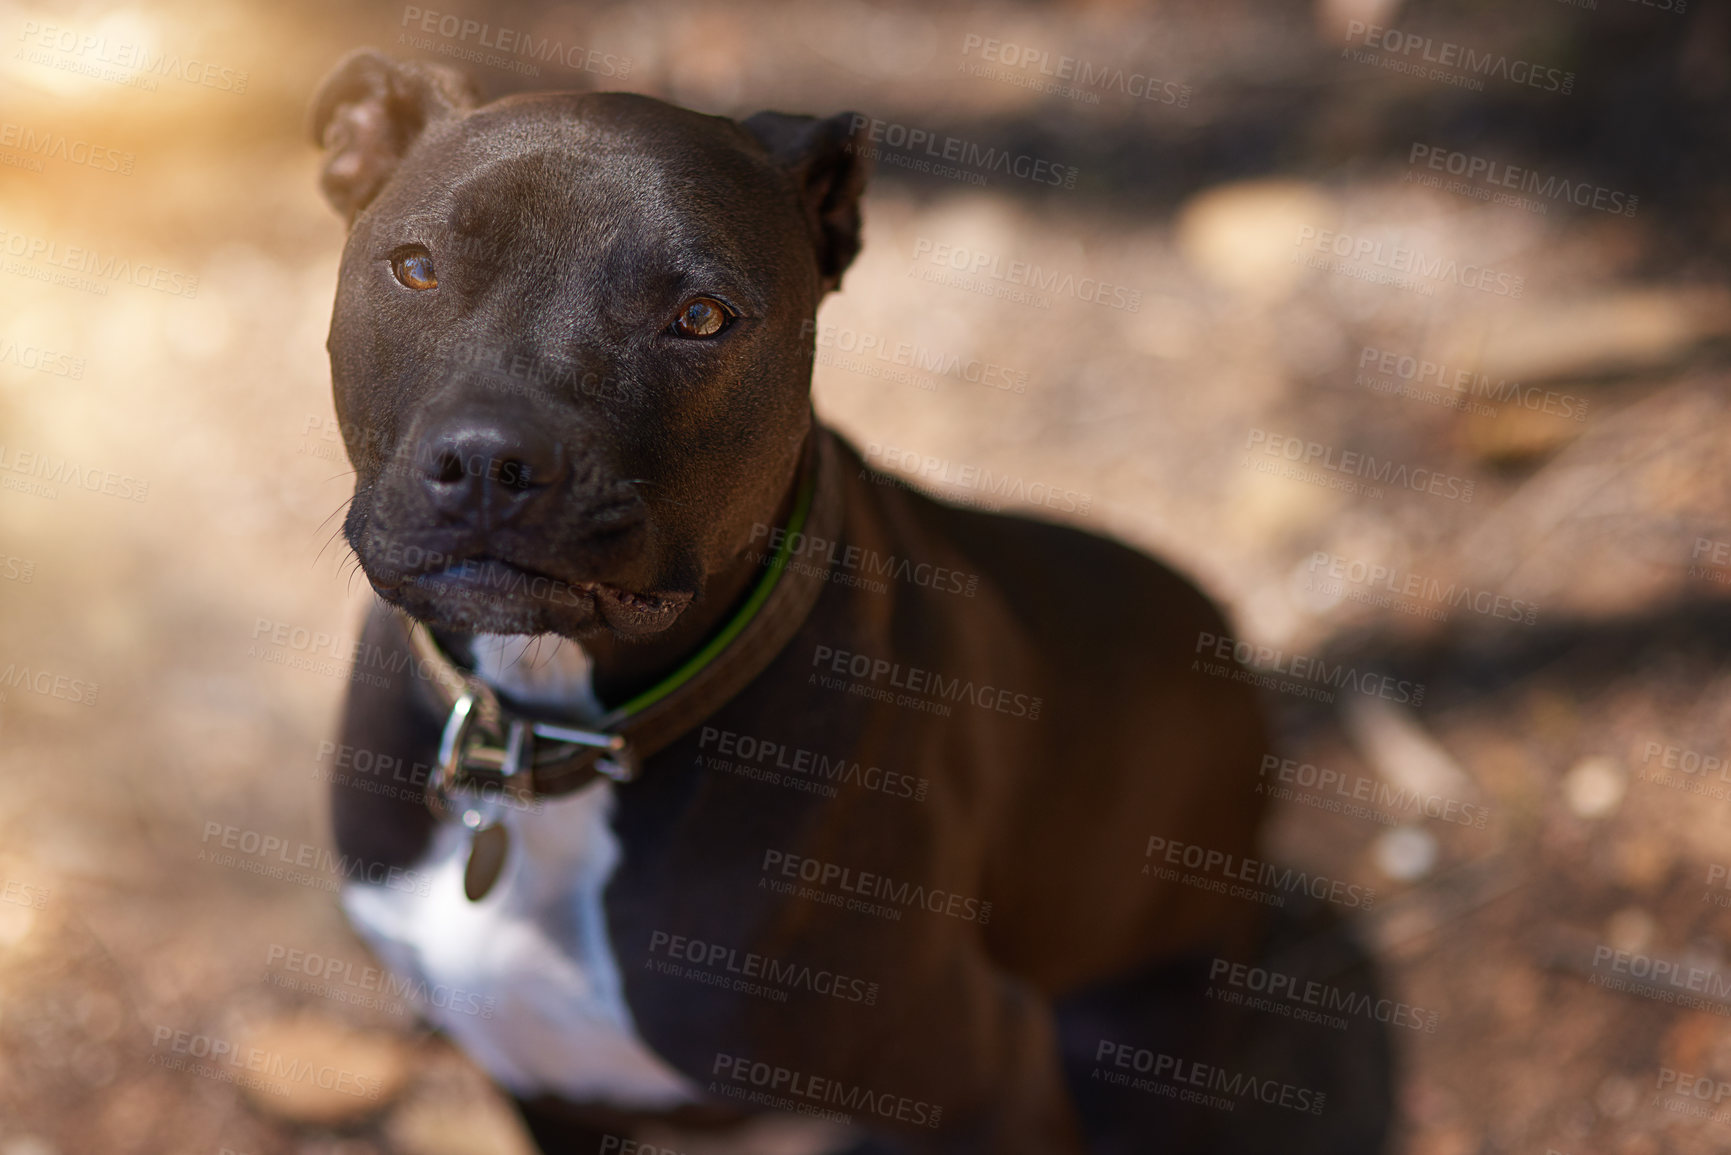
(579, 737)
(517, 744)
(620, 764)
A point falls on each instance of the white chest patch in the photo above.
(545, 670)
(525, 980)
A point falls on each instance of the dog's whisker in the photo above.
(336, 535)
(341, 507)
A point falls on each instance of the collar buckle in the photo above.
(478, 803)
(463, 748)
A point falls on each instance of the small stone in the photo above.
(318, 1071)
(1406, 853)
(15, 923)
(1616, 1097)
(27, 1145)
(1393, 741)
(1515, 436)
(436, 1126)
(1595, 787)
(1630, 929)
(1245, 236)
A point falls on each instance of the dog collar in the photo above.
(494, 756)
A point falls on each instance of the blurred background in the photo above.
(1483, 244)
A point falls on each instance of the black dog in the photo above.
(754, 789)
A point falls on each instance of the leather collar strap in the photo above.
(493, 755)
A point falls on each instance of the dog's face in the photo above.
(572, 341)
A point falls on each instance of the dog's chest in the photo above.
(525, 980)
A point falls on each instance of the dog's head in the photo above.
(572, 342)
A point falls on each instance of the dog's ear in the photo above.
(826, 162)
(368, 112)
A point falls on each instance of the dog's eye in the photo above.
(702, 317)
(414, 267)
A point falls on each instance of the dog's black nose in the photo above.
(489, 472)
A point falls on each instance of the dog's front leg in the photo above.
(1018, 1102)
(976, 1062)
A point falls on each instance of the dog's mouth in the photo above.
(487, 594)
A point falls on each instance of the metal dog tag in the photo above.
(490, 843)
(487, 851)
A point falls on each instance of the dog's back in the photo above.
(1132, 740)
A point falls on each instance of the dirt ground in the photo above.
(1198, 336)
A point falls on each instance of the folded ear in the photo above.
(825, 161)
(368, 112)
